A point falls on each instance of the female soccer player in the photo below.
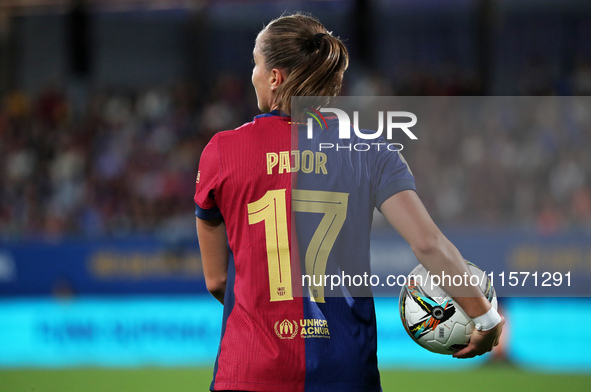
(275, 337)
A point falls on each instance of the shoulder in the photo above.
(242, 130)
(226, 137)
(252, 131)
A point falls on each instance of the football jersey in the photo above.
(291, 210)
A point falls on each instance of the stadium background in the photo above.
(106, 106)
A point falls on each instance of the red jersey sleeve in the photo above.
(207, 182)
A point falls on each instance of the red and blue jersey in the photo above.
(292, 210)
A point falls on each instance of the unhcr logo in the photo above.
(286, 329)
(308, 328)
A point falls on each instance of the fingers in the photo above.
(463, 353)
(481, 342)
(469, 352)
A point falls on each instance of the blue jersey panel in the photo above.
(350, 185)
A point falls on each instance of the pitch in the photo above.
(489, 378)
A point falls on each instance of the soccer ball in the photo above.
(432, 318)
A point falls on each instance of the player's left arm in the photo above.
(213, 243)
(407, 214)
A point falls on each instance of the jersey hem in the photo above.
(260, 387)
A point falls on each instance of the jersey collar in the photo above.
(273, 113)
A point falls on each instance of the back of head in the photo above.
(313, 60)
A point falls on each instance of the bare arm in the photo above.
(213, 243)
(408, 216)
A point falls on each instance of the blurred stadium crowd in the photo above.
(125, 164)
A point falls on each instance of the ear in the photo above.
(276, 78)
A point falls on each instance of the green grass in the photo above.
(498, 378)
(490, 378)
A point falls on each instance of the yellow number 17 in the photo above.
(272, 210)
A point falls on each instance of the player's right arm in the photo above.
(211, 229)
(407, 214)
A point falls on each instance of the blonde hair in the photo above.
(313, 59)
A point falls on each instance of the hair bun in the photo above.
(317, 38)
